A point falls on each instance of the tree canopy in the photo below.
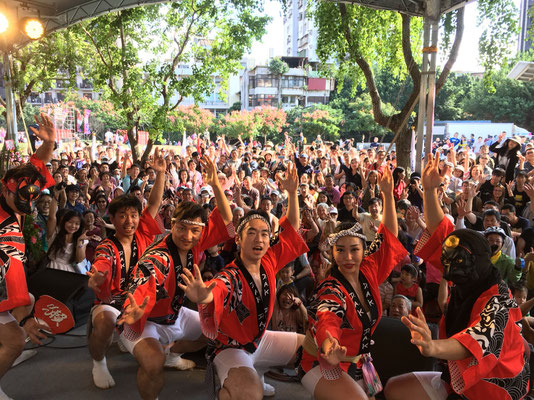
(364, 41)
(149, 59)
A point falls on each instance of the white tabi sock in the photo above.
(101, 376)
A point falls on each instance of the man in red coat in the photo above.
(21, 186)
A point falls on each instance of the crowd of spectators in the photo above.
(488, 187)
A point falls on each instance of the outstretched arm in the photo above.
(47, 133)
(290, 184)
(213, 180)
(431, 179)
(389, 216)
(156, 193)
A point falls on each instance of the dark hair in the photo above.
(490, 213)
(60, 239)
(189, 210)
(256, 212)
(101, 175)
(508, 207)
(403, 205)
(89, 212)
(396, 172)
(522, 173)
(498, 172)
(187, 175)
(290, 287)
(125, 201)
(72, 188)
(412, 270)
(27, 170)
(134, 188)
(374, 200)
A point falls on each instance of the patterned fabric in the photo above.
(232, 320)
(13, 288)
(497, 367)
(336, 308)
(158, 271)
(109, 256)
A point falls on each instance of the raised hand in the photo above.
(210, 169)
(194, 287)
(46, 132)
(291, 180)
(96, 279)
(431, 178)
(460, 208)
(529, 190)
(159, 164)
(385, 181)
(421, 335)
(332, 352)
(133, 312)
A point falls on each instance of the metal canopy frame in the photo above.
(410, 7)
(431, 11)
(522, 71)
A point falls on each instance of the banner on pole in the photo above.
(86, 122)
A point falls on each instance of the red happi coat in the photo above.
(158, 271)
(108, 258)
(13, 288)
(497, 367)
(232, 318)
(333, 309)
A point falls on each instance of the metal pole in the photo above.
(422, 98)
(431, 88)
(11, 113)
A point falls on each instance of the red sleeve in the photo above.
(491, 339)
(290, 245)
(429, 246)
(211, 314)
(330, 312)
(144, 284)
(383, 254)
(148, 227)
(103, 262)
(41, 167)
(216, 232)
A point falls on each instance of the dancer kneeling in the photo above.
(115, 259)
(155, 293)
(481, 339)
(237, 305)
(346, 307)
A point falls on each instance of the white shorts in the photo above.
(6, 317)
(187, 326)
(432, 384)
(99, 308)
(275, 349)
(314, 375)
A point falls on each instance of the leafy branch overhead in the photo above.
(149, 59)
(365, 41)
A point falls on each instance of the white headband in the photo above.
(188, 222)
(250, 218)
(355, 231)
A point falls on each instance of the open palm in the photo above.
(46, 132)
(194, 288)
(431, 177)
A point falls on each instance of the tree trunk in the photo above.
(132, 139)
(403, 147)
(147, 151)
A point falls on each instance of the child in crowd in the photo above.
(289, 313)
(408, 287)
(285, 276)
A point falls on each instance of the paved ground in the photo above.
(65, 374)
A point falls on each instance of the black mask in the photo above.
(494, 248)
(458, 265)
(24, 195)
